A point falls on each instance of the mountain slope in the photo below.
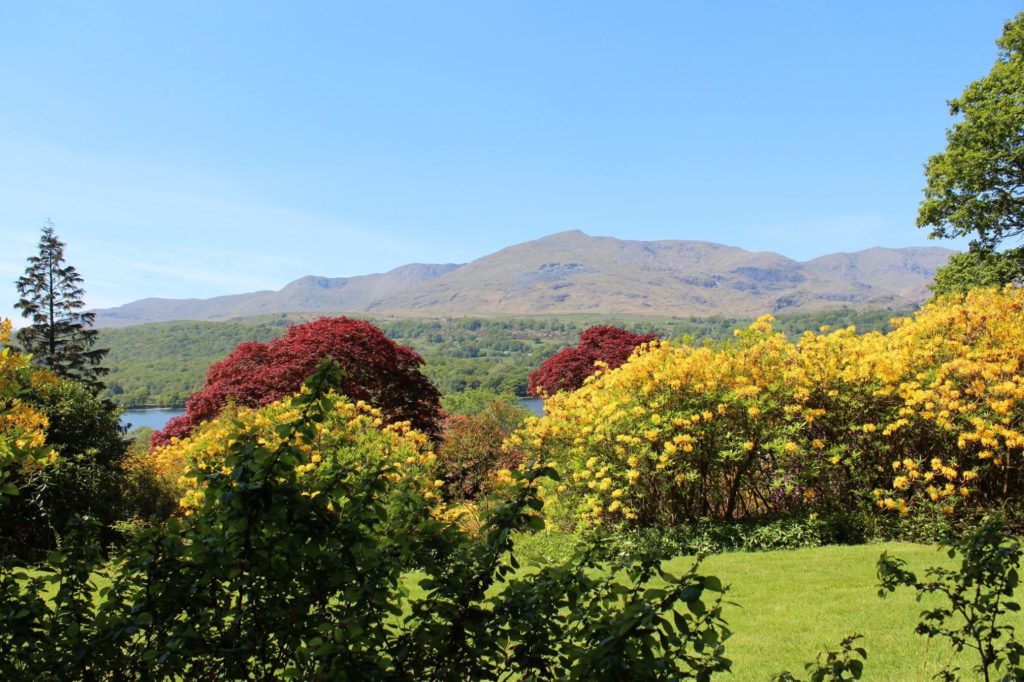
(571, 272)
(307, 294)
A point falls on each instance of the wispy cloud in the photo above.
(136, 230)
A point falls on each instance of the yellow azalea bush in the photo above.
(22, 427)
(353, 435)
(961, 397)
(929, 414)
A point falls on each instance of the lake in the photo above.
(157, 417)
(535, 405)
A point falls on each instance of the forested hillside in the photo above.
(162, 363)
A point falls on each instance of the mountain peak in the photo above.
(572, 272)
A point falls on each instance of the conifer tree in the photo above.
(60, 337)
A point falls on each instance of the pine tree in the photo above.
(60, 337)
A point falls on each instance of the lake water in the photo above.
(536, 405)
(157, 417)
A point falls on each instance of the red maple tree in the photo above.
(377, 370)
(566, 370)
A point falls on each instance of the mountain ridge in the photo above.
(571, 272)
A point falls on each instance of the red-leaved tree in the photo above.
(377, 370)
(566, 370)
(475, 448)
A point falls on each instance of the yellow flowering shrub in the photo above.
(929, 414)
(352, 436)
(961, 397)
(22, 427)
(675, 433)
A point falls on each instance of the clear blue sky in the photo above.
(202, 148)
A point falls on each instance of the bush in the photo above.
(377, 371)
(473, 448)
(348, 434)
(22, 427)
(81, 478)
(277, 573)
(148, 496)
(708, 536)
(928, 419)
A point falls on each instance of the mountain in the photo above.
(571, 272)
(307, 294)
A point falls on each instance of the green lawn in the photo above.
(790, 604)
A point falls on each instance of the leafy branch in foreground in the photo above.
(978, 596)
(833, 666)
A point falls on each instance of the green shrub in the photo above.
(708, 536)
(83, 479)
(274, 575)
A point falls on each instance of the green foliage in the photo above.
(473, 401)
(709, 536)
(978, 597)
(84, 478)
(59, 337)
(979, 267)
(161, 364)
(976, 186)
(80, 424)
(278, 576)
(546, 547)
(833, 666)
(925, 525)
(47, 617)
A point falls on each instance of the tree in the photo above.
(60, 337)
(567, 370)
(975, 188)
(979, 268)
(377, 370)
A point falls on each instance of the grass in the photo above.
(793, 603)
(790, 604)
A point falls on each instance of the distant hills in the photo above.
(571, 272)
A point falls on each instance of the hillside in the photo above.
(573, 273)
(162, 363)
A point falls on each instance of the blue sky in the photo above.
(192, 149)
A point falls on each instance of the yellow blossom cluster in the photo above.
(22, 428)
(351, 436)
(931, 413)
